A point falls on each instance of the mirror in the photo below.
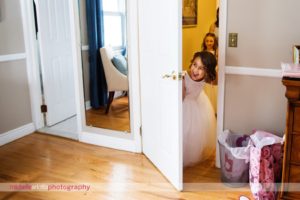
(106, 82)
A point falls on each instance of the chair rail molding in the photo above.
(12, 57)
(253, 71)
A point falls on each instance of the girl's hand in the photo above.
(183, 73)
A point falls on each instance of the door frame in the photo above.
(102, 137)
(32, 62)
(221, 73)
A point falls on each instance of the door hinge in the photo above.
(43, 108)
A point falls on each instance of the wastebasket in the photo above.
(234, 156)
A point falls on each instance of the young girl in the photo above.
(199, 122)
(210, 43)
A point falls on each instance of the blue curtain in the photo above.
(98, 87)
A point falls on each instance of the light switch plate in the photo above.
(233, 40)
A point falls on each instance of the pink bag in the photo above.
(266, 154)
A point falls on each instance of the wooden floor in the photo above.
(111, 174)
(117, 119)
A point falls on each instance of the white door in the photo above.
(56, 59)
(161, 101)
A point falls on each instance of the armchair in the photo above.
(116, 81)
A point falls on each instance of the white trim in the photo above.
(12, 57)
(221, 75)
(107, 141)
(108, 132)
(85, 47)
(252, 71)
(16, 133)
(134, 73)
(77, 62)
(32, 65)
(104, 137)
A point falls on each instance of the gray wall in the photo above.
(11, 31)
(85, 59)
(86, 75)
(254, 103)
(267, 31)
(83, 23)
(14, 99)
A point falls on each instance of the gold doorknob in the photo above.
(174, 75)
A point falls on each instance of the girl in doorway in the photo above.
(199, 122)
(210, 43)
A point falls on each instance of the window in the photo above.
(114, 23)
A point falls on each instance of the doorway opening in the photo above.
(195, 38)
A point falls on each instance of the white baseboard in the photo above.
(16, 133)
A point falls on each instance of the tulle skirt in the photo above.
(199, 130)
(212, 94)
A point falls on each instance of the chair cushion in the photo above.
(120, 63)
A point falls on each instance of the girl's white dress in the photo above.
(199, 124)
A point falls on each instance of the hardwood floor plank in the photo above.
(111, 174)
(118, 117)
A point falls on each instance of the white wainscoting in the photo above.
(16, 133)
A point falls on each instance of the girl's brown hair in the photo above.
(209, 61)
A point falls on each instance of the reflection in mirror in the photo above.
(104, 64)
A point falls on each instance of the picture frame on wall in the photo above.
(189, 13)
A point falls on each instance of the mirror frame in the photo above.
(100, 136)
(99, 112)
